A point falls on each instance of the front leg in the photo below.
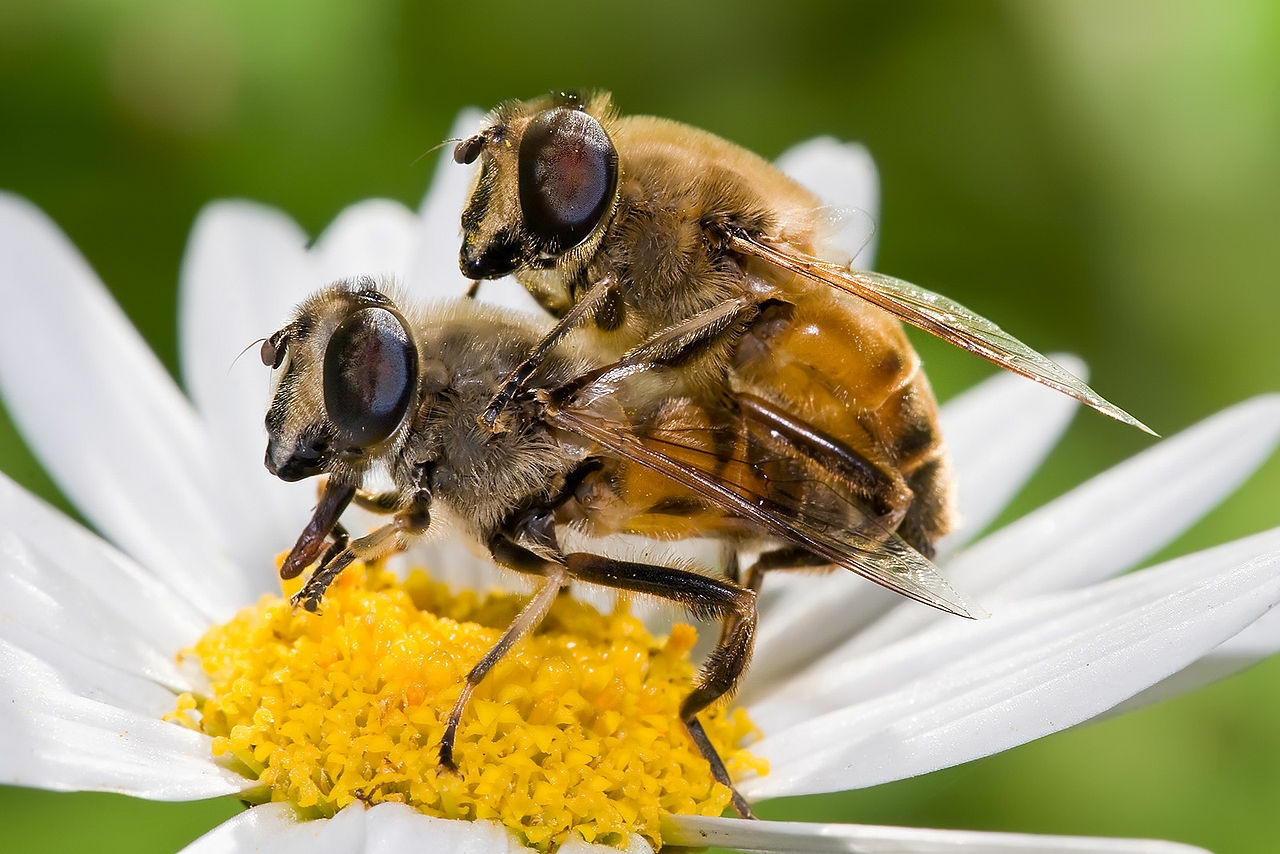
(594, 297)
(412, 519)
(333, 500)
(384, 503)
(679, 343)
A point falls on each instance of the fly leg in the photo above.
(682, 342)
(379, 502)
(880, 484)
(412, 519)
(790, 557)
(752, 578)
(706, 598)
(591, 300)
(508, 553)
(333, 500)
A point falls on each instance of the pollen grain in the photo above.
(575, 732)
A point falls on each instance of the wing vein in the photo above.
(943, 317)
(887, 561)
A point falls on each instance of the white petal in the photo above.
(1258, 641)
(448, 557)
(384, 829)
(244, 270)
(846, 679)
(102, 415)
(1109, 523)
(77, 600)
(94, 678)
(1125, 514)
(52, 737)
(375, 237)
(844, 176)
(961, 690)
(997, 434)
(804, 616)
(275, 828)
(433, 271)
(785, 837)
(395, 828)
(77, 567)
(574, 845)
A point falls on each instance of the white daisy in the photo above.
(850, 687)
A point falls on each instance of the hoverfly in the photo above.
(634, 226)
(365, 386)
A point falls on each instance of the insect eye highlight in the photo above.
(370, 370)
(568, 177)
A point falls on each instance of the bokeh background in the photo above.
(1101, 177)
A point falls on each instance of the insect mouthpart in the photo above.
(498, 258)
(304, 459)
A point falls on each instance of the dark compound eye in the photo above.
(568, 177)
(468, 150)
(370, 369)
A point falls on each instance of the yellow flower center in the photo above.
(575, 731)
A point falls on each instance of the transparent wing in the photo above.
(880, 556)
(942, 317)
(845, 234)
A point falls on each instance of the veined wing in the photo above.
(883, 558)
(940, 316)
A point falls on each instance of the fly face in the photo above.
(547, 185)
(346, 376)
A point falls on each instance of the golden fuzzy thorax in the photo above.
(841, 365)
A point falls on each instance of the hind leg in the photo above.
(707, 598)
(873, 479)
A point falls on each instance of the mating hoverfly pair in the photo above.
(710, 375)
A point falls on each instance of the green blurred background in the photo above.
(1101, 177)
